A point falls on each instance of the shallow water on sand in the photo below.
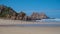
(38, 25)
(32, 25)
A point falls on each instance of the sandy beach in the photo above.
(26, 29)
(29, 17)
(29, 30)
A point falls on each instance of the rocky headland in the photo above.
(9, 13)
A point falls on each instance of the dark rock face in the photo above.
(27, 18)
(2, 7)
(14, 15)
(21, 15)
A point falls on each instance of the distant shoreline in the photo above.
(14, 22)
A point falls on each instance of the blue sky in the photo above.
(50, 7)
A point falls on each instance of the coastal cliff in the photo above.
(9, 13)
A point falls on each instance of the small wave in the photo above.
(48, 20)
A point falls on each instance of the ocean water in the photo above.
(32, 25)
(48, 20)
(40, 25)
(45, 21)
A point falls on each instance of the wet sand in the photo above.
(29, 30)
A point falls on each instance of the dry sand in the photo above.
(29, 30)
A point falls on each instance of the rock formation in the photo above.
(21, 15)
(37, 16)
(9, 13)
(43, 16)
(27, 18)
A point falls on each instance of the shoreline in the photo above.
(14, 22)
(31, 25)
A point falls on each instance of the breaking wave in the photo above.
(48, 20)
